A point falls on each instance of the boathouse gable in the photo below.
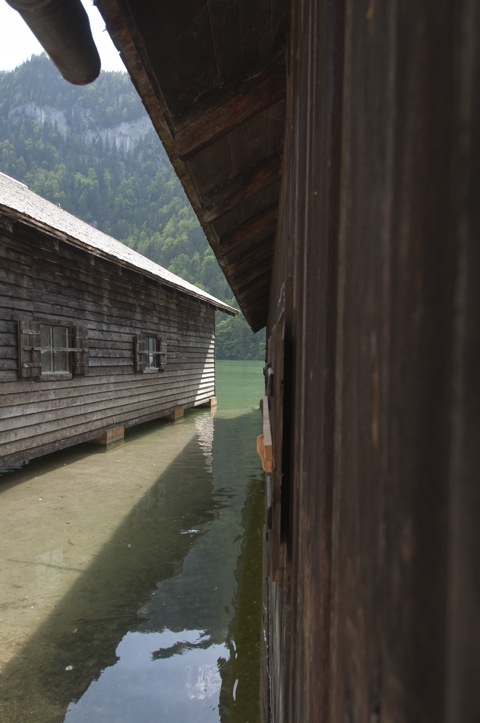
(89, 343)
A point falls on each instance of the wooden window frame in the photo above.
(142, 353)
(30, 350)
(54, 351)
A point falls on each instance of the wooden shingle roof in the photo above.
(18, 203)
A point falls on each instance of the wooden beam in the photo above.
(231, 194)
(254, 307)
(109, 436)
(254, 255)
(228, 109)
(252, 302)
(261, 224)
(259, 277)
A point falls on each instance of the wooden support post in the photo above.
(212, 402)
(176, 414)
(209, 404)
(109, 436)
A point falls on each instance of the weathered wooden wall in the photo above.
(374, 546)
(42, 278)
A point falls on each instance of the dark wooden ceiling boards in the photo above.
(212, 76)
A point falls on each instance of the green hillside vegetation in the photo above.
(92, 151)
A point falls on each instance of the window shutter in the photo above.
(29, 349)
(80, 351)
(139, 353)
(162, 360)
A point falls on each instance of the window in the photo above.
(150, 353)
(56, 344)
(51, 351)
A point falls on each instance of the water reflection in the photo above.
(138, 579)
(180, 680)
(183, 645)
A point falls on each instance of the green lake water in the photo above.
(130, 583)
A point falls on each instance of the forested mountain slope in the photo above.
(92, 150)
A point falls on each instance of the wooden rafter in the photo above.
(255, 278)
(230, 108)
(261, 224)
(231, 194)
(223, 183)
(248, 261)
(251, 304)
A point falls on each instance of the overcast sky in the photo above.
(17, 43)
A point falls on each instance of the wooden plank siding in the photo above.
(44, 279)
(373, 591)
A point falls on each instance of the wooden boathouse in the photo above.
(331, 151)
(93, 336)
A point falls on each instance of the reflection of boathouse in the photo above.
(331, 151)
(94, 337)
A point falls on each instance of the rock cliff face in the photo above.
(41, 114)
(92, 150)
(123, 136)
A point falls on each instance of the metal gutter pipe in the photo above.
(63, 29)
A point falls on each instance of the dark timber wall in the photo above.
(375, 305)
(44, 279)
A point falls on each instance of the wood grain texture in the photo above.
(372, 616)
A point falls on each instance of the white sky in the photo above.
(17, 43)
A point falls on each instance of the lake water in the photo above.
(130, 581)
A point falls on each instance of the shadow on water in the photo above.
(152, 629)
(240, 692)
